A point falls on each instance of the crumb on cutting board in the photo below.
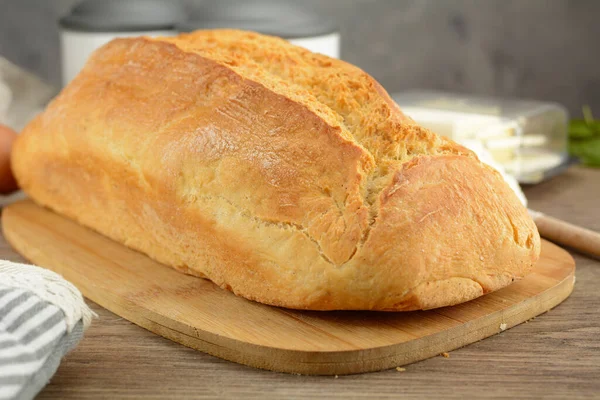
(400, 369)
(445, 355)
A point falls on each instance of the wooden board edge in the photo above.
(357, 361)
(325, 363)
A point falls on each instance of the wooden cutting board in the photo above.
(196, 313)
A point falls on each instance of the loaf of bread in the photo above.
(284, 176)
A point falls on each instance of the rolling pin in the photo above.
(564, 233)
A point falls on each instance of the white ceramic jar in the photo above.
(92, 23)
(328, 44)
(284, 18)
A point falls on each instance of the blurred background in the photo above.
(540, 49)
(482, 59)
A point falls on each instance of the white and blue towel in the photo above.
(42, 317)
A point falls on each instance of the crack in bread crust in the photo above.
(197, 198)
(266, 60)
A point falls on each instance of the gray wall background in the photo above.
(542, 49)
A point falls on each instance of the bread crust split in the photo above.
(287, 177)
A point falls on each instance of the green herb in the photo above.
(584, 138)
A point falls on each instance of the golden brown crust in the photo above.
(287, 177)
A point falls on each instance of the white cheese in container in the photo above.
(527, 138)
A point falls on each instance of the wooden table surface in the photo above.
(556, 355)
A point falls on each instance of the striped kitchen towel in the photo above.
(42, 317)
